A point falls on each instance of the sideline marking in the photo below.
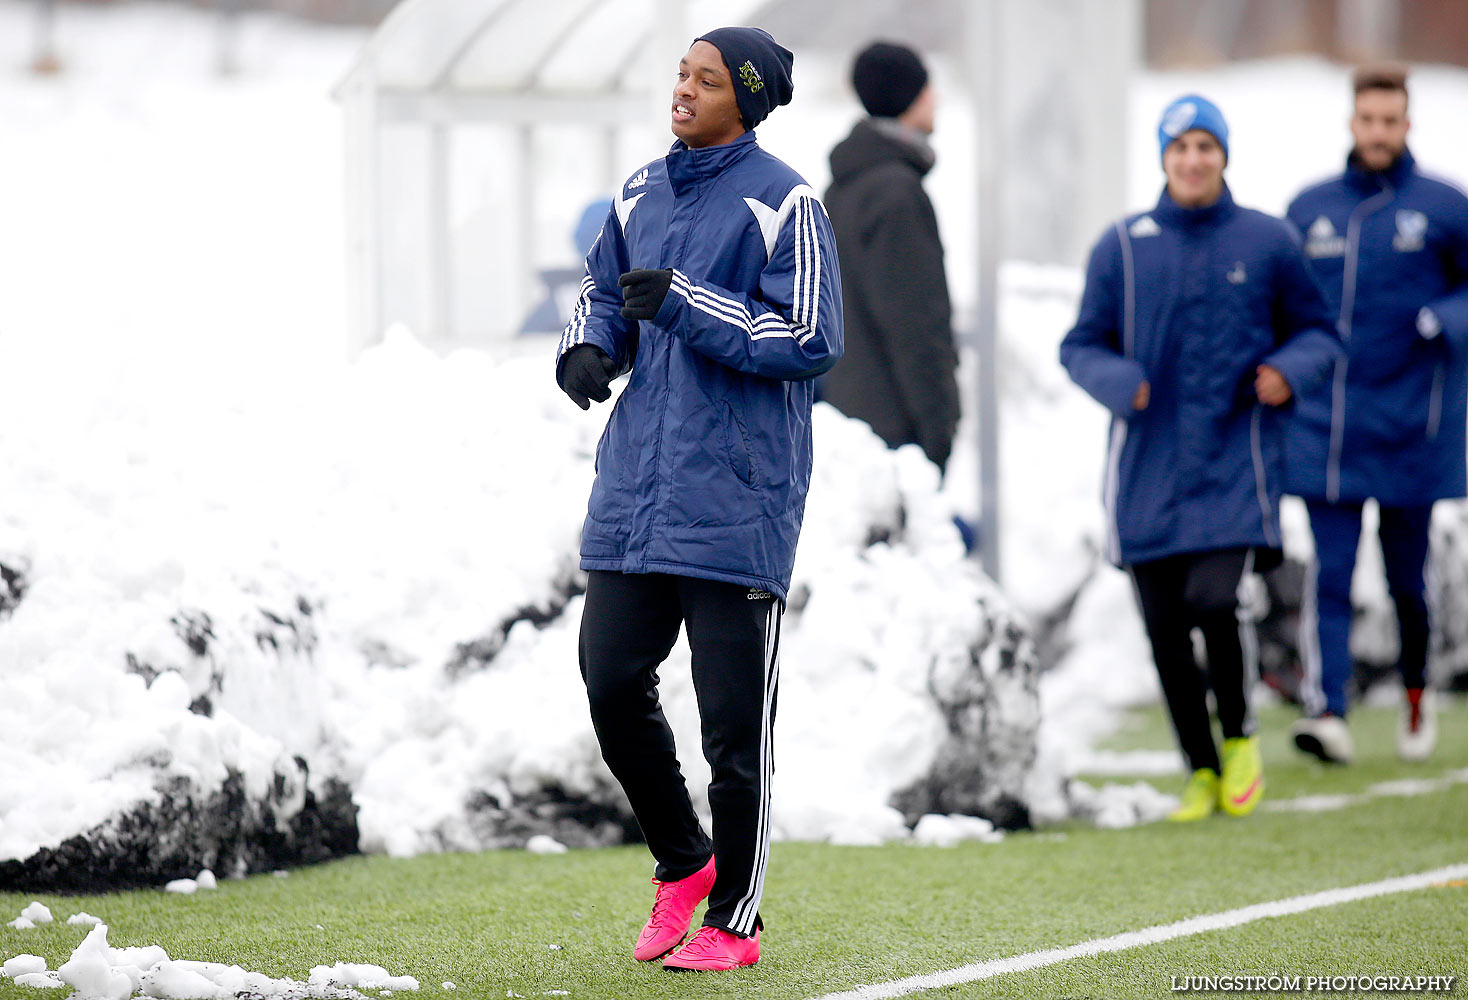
(1150, 935)
(1398, 788)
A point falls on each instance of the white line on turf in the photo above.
(1150, 935)
(1402, 788)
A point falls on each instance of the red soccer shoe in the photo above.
(713, 949)
(672, 908)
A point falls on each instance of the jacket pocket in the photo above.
(737, 450)
(615, 451)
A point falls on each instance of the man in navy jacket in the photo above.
(1198, 324)
(1390, 246)
(715, 284)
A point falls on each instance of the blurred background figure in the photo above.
(900, 370)
(1198, 321)
(1391, 248)
(563, 284)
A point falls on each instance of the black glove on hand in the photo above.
(643, 292)
(587, 375)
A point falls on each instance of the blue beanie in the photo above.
(1187, 113)
(759, 68)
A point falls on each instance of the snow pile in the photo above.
(935, 830)
(96, 971)
(882, 603)
(189, 886)
(541, 844)
(1113, 806)
(1448, 595)
(35, 914)
(367, 977)
(40, 981)
(918, 665)
(23, 965)
(119, 784)
(404, 619)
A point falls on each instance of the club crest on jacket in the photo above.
(1323, 241)
(1145, 226)
(1411, 231)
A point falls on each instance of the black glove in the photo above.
(643, 292)
(587, 375)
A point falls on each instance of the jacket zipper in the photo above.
(1343, 326)
(1111, 488)
(1261, 484)
(657, 454)
(1435, 406)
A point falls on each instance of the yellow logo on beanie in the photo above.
(751, 77)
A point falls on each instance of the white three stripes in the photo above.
(747, 909)
(575, 332)
(805, 295)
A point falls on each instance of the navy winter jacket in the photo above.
(1392, 422)
(705, 462)
(1193, 301)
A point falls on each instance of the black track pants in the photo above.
(629, 625)
(1200, 590)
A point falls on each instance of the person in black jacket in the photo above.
(900, 369)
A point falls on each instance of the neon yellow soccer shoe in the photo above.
(1200, 797)
(1243, 776)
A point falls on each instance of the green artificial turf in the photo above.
(511, 922)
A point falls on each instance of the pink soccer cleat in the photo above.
(672, 908)
(713, 949)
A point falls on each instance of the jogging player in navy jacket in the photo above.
(1199, 323)
(714, 283)
(1390, 247)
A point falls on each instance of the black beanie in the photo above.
(759, 67)
(888, 78)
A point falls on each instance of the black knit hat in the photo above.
(759, 67)
(888, 78)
